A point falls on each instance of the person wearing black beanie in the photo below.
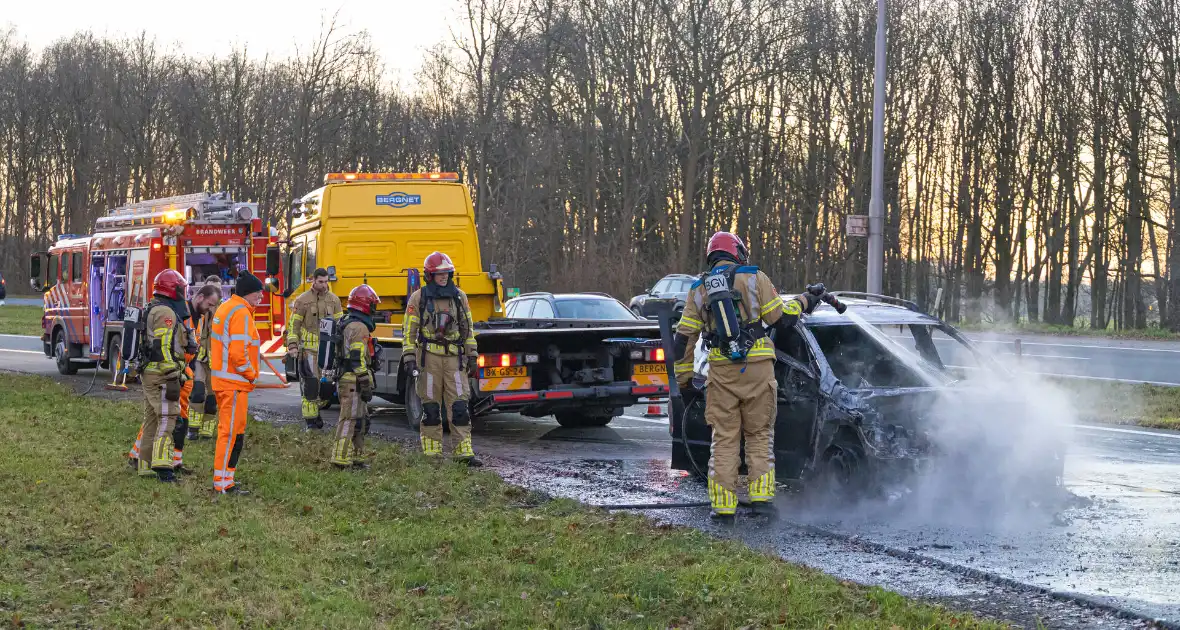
(248, 283)
(233, 366)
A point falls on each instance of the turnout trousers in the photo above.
(348, 445)
(180, 426)
(443, 384)
(154, 448)
(309, 385)
(741, 405)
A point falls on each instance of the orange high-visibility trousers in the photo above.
(231, 429)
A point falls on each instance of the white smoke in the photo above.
(998, 437)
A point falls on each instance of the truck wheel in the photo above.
(114, 361)
(61, 354)
(413, 404)
(573, 419)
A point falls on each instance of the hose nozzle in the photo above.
(821, 292)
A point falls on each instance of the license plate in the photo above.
(504, 372)
(651, 368)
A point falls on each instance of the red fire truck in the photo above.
(89, 281)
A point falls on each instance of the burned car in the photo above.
(883, 394)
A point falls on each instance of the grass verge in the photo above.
(407, 544)
(1125, 403)
(20, 320)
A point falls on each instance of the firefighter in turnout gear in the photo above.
(233, 368)
(728, 306)
(202, 418)
(355, 381)
(439, 346)
(162, 358)
(303, 341)
(181, 429)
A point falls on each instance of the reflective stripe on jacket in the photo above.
(233, 360)
(759, 303)
(303, 325)
(419, 327)
(163, 324)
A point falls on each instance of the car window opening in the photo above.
(596, 309)
(860, 362)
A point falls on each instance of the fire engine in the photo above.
(89, 281)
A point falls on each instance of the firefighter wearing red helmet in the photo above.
(439, 344)
(162, 363)
(728, 306)
(354, 382)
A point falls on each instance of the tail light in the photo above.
(498, 360)
(506, 360)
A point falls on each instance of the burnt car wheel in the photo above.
(841, 474)
(573, 419)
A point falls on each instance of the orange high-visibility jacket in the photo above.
(233, 360)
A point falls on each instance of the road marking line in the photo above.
(1129, 486)
(23, 351)
(1107, 378)
(1170, 436)
(1047, 345)
(1048, 356)
(647, 420)
(20, 336)
(1069, 345)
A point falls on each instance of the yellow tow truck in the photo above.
(377, 228)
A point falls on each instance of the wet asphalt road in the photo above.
(1123, 547)
(15, 301)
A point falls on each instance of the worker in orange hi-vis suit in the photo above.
(233, 366)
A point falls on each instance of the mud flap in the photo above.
(682, 456)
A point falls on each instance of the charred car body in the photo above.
(869, 398)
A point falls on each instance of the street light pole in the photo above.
(876, 270)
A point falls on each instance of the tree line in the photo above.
(1031, 145)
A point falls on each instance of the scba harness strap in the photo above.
(731, 335)
(457, 317)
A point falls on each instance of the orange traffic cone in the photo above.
(655, 411)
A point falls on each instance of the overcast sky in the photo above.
(401, 29)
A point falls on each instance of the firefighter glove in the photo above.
(809, 302)
(411, 364)
(364, 387)
(172, 389)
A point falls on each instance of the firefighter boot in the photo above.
(431, 430)
(461, 430)
(724, 501)
(311, 415)
(762, 494)
(195, 420)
